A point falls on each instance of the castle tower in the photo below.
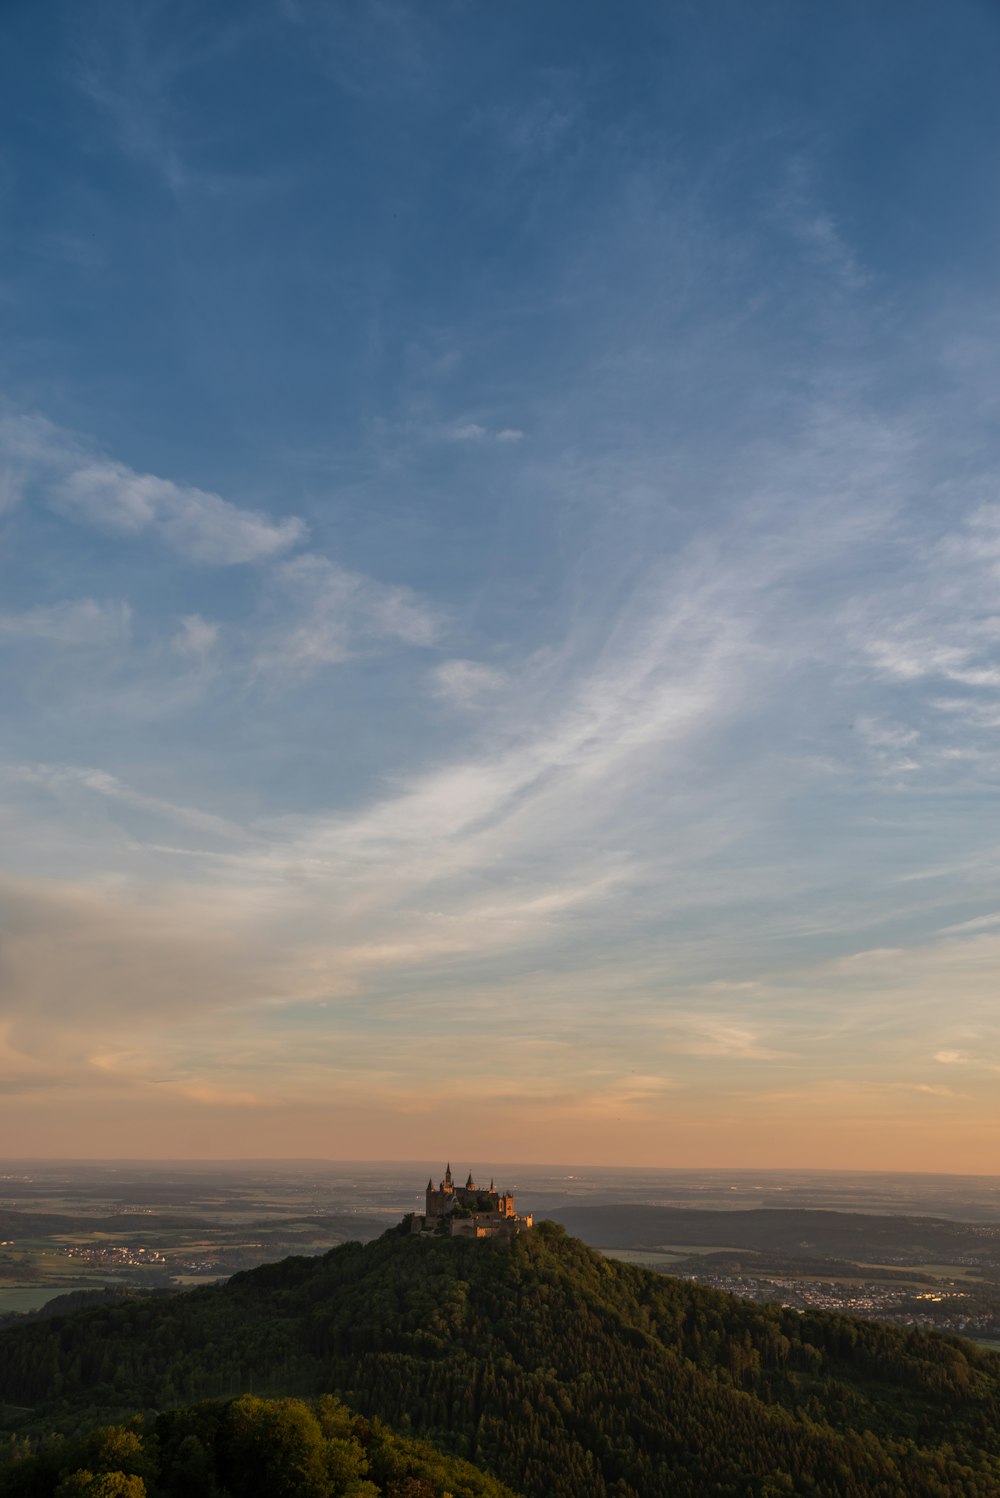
(467, 1211)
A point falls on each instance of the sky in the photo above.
(499, 561)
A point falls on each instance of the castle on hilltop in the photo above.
(469, 1211)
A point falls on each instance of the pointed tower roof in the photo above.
(430, 1183)
(470, 1184)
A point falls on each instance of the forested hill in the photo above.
(560, 1372)
(246, 1448)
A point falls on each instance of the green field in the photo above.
(36, 1269)
(652, 1258)
(948, 1271)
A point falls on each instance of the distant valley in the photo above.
(909, 1250)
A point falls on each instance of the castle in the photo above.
(469, 1211)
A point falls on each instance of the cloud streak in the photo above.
(331, 614)
(66, 474)
(83, 623)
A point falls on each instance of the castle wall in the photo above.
(488, 1225)
(486, 1214)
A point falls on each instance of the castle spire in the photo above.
(448, 1210)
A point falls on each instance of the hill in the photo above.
(256, 1448)
(848, 1235)
(559, 1371)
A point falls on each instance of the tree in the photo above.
(275, 1449)
(84, 1484)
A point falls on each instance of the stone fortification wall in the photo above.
(473, 1211)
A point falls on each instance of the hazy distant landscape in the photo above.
(905, 1249)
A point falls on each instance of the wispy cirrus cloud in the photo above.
(132, 94)
(326, 614)
(61, 779)
(474, 431)
(79, 623)
(132, 69)
(461, 431)
(708, 1035)
(467, 683)
(938, 620)
(372, 50)
(196, 636)
(68, 474)
(196, 523)
(801, 210)
(577, 812)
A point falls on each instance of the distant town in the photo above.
(946, 1309)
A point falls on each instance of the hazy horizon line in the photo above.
(422, 1162)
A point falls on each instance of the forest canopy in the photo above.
(556, 1370)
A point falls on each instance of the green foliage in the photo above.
(248, 1448)
(561, 1372)
(84, 1484)
(275, 1449)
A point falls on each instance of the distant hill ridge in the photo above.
(561, 1372)
(768, 1227)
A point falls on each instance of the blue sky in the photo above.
(499, 543)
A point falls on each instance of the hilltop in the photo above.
(560, 1372)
